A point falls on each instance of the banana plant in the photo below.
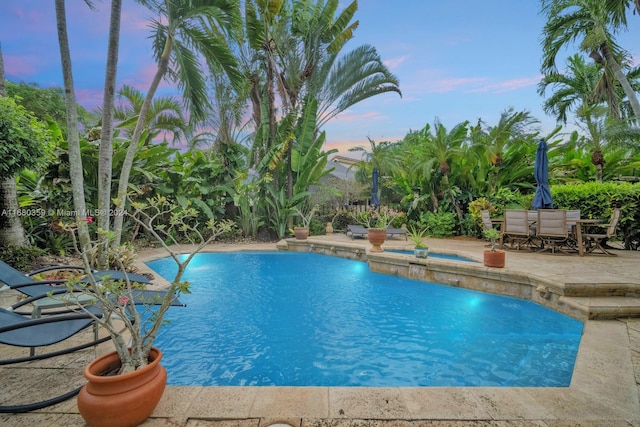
(308, 161)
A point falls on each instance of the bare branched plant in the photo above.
(132, 318)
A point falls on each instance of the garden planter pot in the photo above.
(301, 233)
(376, 237)
(121, 400)
(421, 252)
(494, 259)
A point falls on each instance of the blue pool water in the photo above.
(433, 255)
(302, 319)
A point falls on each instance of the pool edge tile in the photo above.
(286, 402)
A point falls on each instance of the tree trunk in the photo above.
(105, 163)
(75, 158)
(11, 230)
(622, 79)
(141, 124)
(3, 91)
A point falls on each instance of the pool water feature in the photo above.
(304, 319)
(432, 254)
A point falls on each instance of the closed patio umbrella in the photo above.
(375, 200)
(542, 198)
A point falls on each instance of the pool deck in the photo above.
(604, 390)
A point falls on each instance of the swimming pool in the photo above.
(304, 319)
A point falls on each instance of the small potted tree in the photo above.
(492, 256)
(124, 386)
(376, 221)
(418, 236)
(306, 215)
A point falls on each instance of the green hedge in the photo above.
(598, 199)
(594, 199)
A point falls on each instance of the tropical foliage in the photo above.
(259, 80)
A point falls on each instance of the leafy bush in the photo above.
(342, 220)
(317, 227)
(598, 199)
(20, 258)
(507, 199)
(441, 224)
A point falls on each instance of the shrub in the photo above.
(441, 224)
(20, 257)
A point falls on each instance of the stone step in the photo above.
(601, 307)
(600, 289)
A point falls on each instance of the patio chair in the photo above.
(391, 231)
(488, 223)
(597, 235)
(551, 229)
(19, 331)
(572, 216)
(356, 230)
(515, 229)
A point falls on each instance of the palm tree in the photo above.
(73, 137)
(589, 22)
(105, 164)
(358, 75)
(445, 147)
(163, 116)
(618, 9)
(297, 45)
(378, 160)
(183, 30)
(492, 142)
(579, 90)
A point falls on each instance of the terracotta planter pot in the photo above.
(376, 237)
(494, 259)
(121, 400)
(301, 233)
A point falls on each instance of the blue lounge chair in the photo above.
(19, 331)
(58, 295)
(356, 231)
(391, 232)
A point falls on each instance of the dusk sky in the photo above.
(456, 60)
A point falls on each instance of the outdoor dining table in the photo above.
(578, 230)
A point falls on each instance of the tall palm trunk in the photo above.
(105, 164)
(3, 91)
(73, 137)
(127, 165)
(622, 79)
(11, 230)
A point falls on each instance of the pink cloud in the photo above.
(89, 98)
(345, 116)
(507, 85)
(134, 21)
(19, 65)
(344, 145)
(450, 85)
(141, 78)
(393, 63)
(33, 20)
